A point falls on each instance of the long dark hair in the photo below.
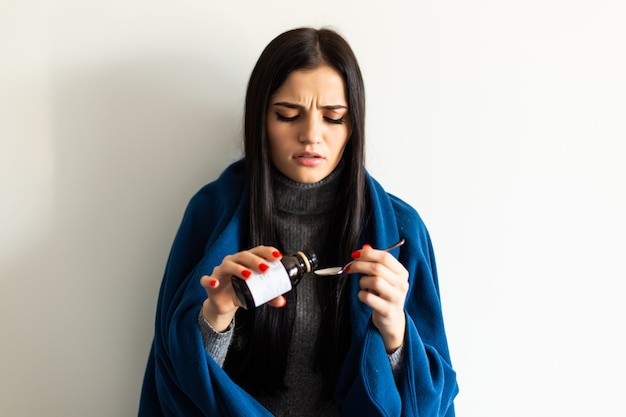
(257, 360)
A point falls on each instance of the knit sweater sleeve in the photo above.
(216, 343)
(395, 360)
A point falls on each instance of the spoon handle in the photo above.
(395, 245)
(337, 270)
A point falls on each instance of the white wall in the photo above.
(501, 122)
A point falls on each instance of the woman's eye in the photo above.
(285, 118)
(335, 121)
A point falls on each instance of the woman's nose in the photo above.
(311, 131)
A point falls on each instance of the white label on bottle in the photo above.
(270, 284)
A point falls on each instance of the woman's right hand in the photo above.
(222, 303)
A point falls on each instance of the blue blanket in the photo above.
(182, 379)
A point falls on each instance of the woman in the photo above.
(370, 342)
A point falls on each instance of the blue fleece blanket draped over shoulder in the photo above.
(182, 379)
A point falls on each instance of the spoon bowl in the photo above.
(338, 270)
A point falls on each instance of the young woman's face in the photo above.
(307, 124)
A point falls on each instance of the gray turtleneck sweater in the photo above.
(303, 215)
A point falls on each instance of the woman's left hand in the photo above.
(384, 285)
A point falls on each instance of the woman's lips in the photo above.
(308, 159)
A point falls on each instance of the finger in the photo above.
(254, 260)
(393, 289)
(221, 298)
(231, 266)
(369, 298)
(241, 265)
(379, 287)
(372, 269)
(383, 310)
(269, 253)
(209, 282)
(382, 265)
(278, 302)
(367, 253)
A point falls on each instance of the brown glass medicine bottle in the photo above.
(280, 278)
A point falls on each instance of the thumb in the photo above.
(278, 302)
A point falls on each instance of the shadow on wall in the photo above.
(133, 141)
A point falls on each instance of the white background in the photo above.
(502, 122)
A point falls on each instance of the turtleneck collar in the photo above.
(305, 198)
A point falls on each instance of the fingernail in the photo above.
(284, 303)
(246, 273)
(276, 254)
(264, 267)
(347, 268)
(213, 283)
(356, 254)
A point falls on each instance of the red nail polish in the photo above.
(264, 267)
(356, 254)
(246, 273)
(213, 283)
(347, 268)
(276, 254)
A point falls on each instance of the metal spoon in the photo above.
(338, 270)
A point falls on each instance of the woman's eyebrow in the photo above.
(335, 107)
(298, 106)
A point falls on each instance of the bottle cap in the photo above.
(310, 259)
